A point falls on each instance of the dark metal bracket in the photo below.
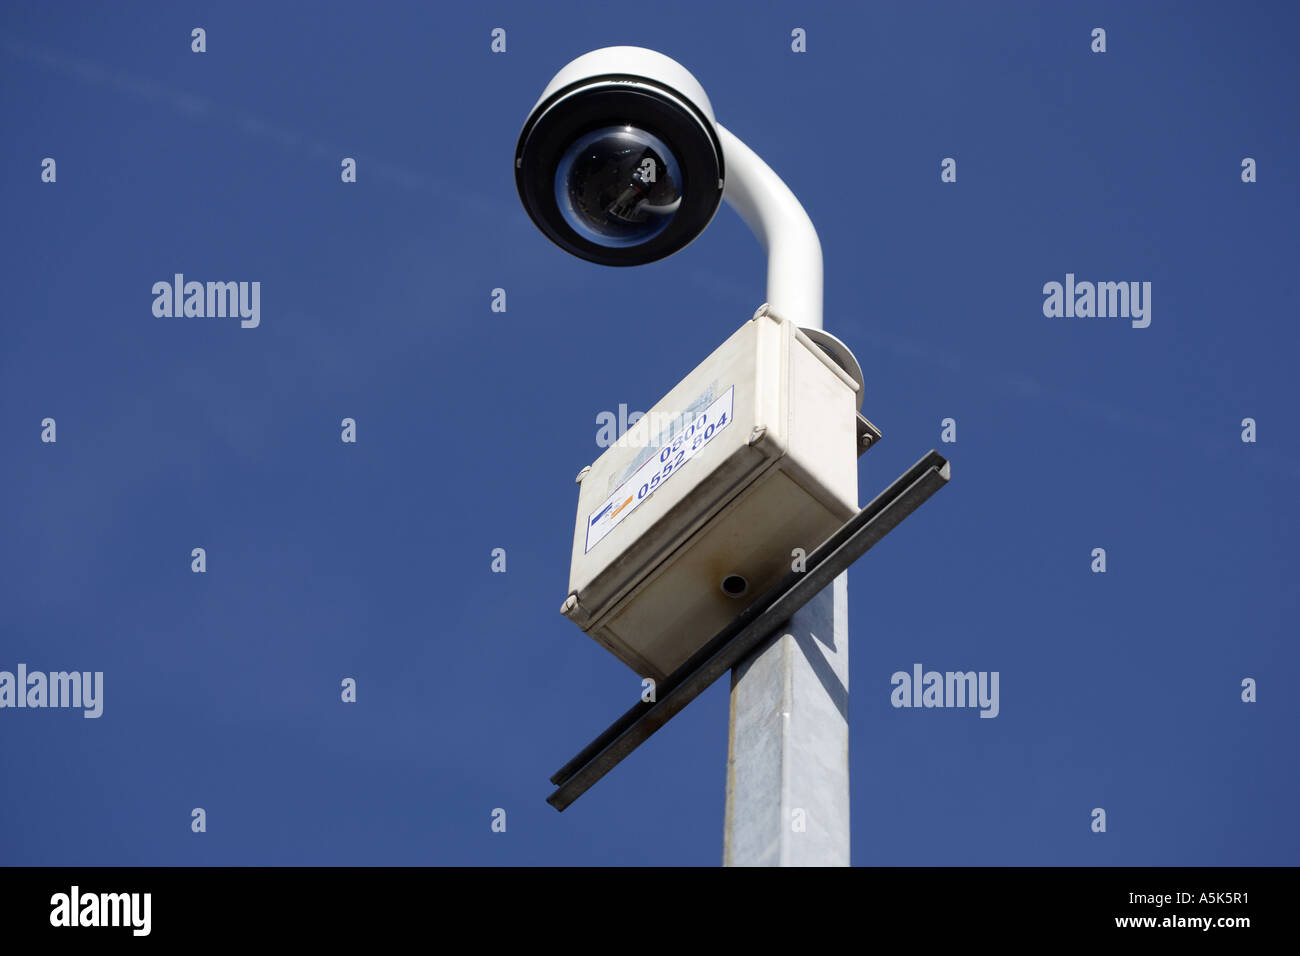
(755, 624)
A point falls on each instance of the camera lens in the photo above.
(618, 186)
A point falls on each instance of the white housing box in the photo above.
(750, 456)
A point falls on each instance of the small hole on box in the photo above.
(733, 585)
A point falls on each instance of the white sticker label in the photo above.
(676, 452)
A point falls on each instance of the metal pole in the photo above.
(776, 217)
(788, 750)
(788, 739)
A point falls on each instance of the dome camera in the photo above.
(620, 161)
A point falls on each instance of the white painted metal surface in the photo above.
(770, 209)
(632, 61)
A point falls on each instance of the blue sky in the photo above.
(372, 560)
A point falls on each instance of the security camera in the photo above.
(620, 162)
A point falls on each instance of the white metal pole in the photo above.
(770, 209)
(788, 743)
(788, 739)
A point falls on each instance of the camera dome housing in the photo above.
(620, 162)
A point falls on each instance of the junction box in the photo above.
(699, 507)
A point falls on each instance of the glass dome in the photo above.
(618, 186)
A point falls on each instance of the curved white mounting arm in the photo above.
(770, 209)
